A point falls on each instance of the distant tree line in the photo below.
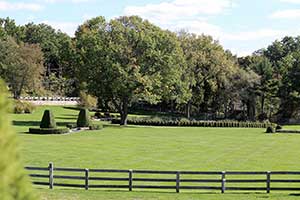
(129, 63)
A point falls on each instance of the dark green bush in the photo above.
(49, 130)
(270, 129)
(83, 119)
(48, 120)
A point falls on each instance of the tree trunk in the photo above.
(172, 107)
(251, 109)
(124, 112)
(188, 110)
(262, 104)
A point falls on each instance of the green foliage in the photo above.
(83, 119)
(23, 107)
(14, 184)
(48, 120)
(49, 130)
(210, 73)
(21, 65)
(128, 60)
(87, 101)
(192, 123)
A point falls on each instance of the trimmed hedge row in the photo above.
(229, 124)
(49, 130)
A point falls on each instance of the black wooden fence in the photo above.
(177, 182)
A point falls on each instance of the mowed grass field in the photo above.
(156, 148)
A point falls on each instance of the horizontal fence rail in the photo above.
(176, 180)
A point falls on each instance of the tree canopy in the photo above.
(129, 63)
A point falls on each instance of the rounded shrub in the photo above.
(18, 107)
(48, 120)
(23, 107)
(270, 129)
(83, 119)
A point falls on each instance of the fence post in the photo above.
(223, 187)
(177, 182)
(86, 179)
(51, 178)
(268, 181)
(130, 179)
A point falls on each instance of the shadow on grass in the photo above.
(295, 194)
(71, 108)
(70, 115)
(35, 123)
(260, 194)
(66, 118)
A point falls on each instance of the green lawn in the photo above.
(156, 148)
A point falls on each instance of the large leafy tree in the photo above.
(284, 55)
(21, 65)
(266, 86)
(209, 72)
(129, 60)
(57, 48)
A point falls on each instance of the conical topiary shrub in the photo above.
(14, 183)
(83, 119)
(48, 120)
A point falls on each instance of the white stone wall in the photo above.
(55, 101)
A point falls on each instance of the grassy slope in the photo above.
(156, 148)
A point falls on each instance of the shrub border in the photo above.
(219, 124)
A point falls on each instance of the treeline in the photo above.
(129, 63)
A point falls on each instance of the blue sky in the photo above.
(241, 26)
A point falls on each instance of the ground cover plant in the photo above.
(157, 148)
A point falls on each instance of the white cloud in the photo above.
(9, 6)
(286, 14)
(179, 9)
(194, 16)
(66, 27)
